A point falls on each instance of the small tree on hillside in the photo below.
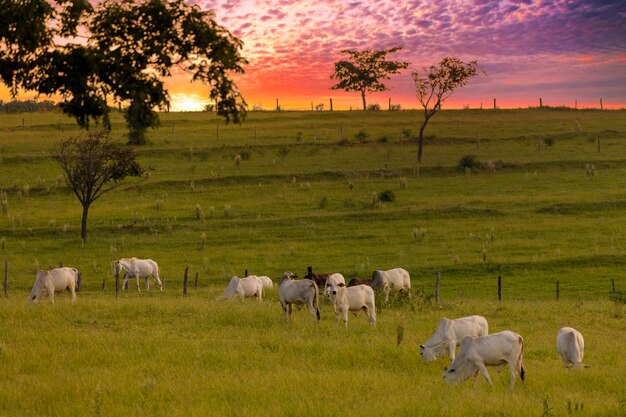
(93, 165)
(436, 83)
(117, 51)
(365, 70)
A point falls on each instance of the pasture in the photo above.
(308, 189)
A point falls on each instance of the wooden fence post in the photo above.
(185, 281)
(437, 288)
(331, 104)
(612, 285)
(277, 106)
(601, 106)
(558, 290)
(499, 288)
(6, 279)
(117, 284)
(196, 282)
(540, 102)
(494, 104)
(245, 273)
(80, 281)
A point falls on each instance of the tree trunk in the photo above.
(83, 223)
(363, 98)
(421, 140)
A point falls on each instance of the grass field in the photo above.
(307, 192)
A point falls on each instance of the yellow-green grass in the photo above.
(300, 200)
(159, 354)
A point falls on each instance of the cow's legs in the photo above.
(512, 374)
(290, 312)
(371, 314)
(73, 292)
(137, 278)
(452, 349)
(126, 281)
(345, 317)
(284, 309)
(483, 370)
(147, 284)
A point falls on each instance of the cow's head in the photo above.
(330, 288)
(289, 276)
(430, 354)
(458, 371)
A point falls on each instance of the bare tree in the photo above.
(364, 72)
(93, 165)
(436, 83)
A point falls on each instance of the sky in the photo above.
(566, 52)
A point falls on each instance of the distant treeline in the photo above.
(17, 106)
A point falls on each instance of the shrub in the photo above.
(383, 139)
(469, 162)
(374, 107)
(319, 107)
(361, 135)
(387, 196)
(548, 141)
(395, 107)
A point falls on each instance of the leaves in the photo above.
(130, 46)
(366, 70)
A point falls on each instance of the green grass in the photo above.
(299, 200)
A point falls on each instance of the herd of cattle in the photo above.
(478, 348)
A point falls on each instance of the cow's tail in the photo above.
(316, 302)
(520, 361)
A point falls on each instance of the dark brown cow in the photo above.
(319, 279)
(357, 281)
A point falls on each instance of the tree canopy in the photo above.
(436, 83)
(365, 70)
(117, 51)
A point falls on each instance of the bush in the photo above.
(469, 162)
(548, 141)
(374, 107)
(387, 196)
(361, 135)
(395, 107)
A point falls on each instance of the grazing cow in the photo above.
(495, 349)
(332, 282)
(267, 282)
(298, 292)
(571, 346)
(358, 281)
(397, 279)
(353, 299)
(449, 334)
(138, 268)
(250, 286)
(54, 280)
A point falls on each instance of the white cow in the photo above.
(571, 346)
(267, 282)
(397, 279)
(449, 334)
(476, 353)
(353, 299)
(250, 286)
(138, 268)
(298, 292)
(332, 282)
(59, 279)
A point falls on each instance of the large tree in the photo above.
(436, 83)
(118, 51)
(94, 164)
(365, 70)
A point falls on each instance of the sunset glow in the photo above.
(564, 51)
